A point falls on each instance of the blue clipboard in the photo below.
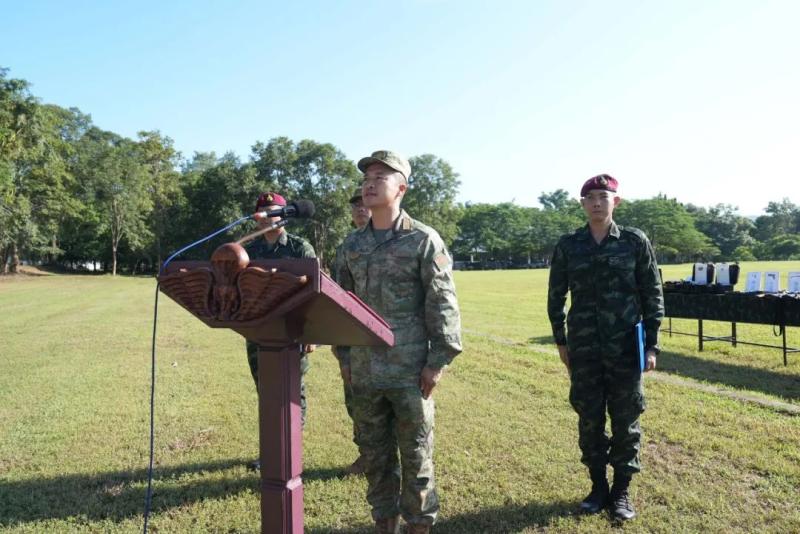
(640, 345)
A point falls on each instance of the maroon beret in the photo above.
(270, 199)
(601, 181)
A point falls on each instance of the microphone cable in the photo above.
(149, 494)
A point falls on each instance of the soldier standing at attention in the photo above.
(613, 279)
(401, 269)
(360, 215)
(277, 244)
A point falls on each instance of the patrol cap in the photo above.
(601, 181)
(387, 157)
(356, 196)
(269, 199)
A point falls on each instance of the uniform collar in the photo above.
(614, 230)
(403, 223)
(585, 233)
(282, 240)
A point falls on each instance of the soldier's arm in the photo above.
(307, 250)
(557, 294)
(442, 317)
(342, 276)
(650, 293)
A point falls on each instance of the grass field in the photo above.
(721, 450)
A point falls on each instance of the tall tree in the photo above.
(781, 218)
(431, 195)
(159, 162)
(112, 170)
(314, 171)
(726, 229)
(557, 200)
(669, 226)
(19, 119)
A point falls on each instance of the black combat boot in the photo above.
(598, 497)
(620, 505)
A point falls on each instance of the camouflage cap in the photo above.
(387, 157)
(601, 181)
(356, 196)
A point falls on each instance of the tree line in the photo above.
(73, 195)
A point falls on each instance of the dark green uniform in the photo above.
(338, 265)
(612, 286)
(287, 246)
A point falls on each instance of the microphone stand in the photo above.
(260, 231)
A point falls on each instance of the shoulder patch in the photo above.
(441, 260)
(353, 254)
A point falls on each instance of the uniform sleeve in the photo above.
(307, 251)
(557, 294)
(650, 293)
(442, 317)
(341, 275)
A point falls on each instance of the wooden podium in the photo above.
(281, 305)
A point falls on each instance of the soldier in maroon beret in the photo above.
(601, 182)
(277, 244)
(611, 274)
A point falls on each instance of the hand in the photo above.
(309, 348)
(563, 353)
(345, 372)
(651, 360)
(428, 380)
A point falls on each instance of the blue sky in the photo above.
(698, 100)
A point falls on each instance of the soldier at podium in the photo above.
(277, 244)
(401, 269)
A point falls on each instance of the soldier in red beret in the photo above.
(277, 244)
(614, 284)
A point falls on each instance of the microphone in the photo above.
(302, 209)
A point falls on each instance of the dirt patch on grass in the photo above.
(25, 272)
(199, 439)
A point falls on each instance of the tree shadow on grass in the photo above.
(546, 339)
(120, 495)
(117, 495)
(511, 518)
(737, 376)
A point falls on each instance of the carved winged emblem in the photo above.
(190, 289)
(230, 290)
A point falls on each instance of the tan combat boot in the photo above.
(388, 525)
(418, 528)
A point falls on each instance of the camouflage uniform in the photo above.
(287, 246)
(338, 265)
(612, 284)
(406, 278)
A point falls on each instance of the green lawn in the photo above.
(74, 392)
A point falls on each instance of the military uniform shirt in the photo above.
(287, 246)
(612, 285)
(408, 280)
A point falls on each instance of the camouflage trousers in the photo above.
(348, 404)
(391, 421)
(252, 359)
(612, 383)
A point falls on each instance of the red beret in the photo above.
(270, 199)
(601, 181)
